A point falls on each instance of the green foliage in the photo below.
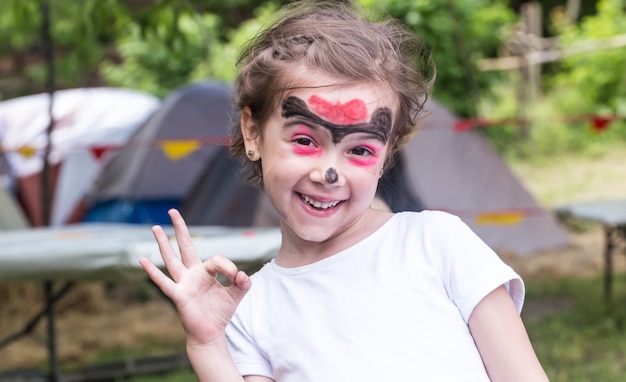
(154, 47)
(200, 48)
(587, 84)
(581, 86)
(172, 42)
(458, 33)
(184, 375)
(19, 21)
(156, 62)
(222, 59)
(81, 33)
(169, 43)
(593, 82)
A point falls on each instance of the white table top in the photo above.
(608, 212)
(95, 251)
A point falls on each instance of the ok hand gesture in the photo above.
(204, 305)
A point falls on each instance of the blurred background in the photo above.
(552, 63)
(543, 82)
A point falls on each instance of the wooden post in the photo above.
(572, 10)
(530, 74)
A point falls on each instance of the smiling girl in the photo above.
(355, 293)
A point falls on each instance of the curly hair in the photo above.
(333, 37)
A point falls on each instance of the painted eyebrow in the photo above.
(378, 126)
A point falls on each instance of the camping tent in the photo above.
(459, 172)
(440, 168)
(160, 163)
(89, 124)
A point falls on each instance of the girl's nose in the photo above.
(327, 175)
(331, 175)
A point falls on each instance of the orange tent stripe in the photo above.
(500, 218)
(178, 149)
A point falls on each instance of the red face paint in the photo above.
(364, 162)
(340, 113)
(370, 159)
(300, 138)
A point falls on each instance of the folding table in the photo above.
(612, 215)
(110, 252)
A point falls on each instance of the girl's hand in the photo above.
(204, 305)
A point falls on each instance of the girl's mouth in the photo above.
(317, 204)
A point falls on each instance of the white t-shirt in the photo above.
(393, 307)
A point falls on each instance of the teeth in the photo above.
(318, 204)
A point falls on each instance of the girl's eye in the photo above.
(360, 151)
(304, 141)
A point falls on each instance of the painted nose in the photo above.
(327, 175)
(331, 175)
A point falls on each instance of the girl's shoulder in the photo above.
(426, 219)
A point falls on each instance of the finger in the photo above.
(185, 245)
(240, 282)
(171, 260)
(220, 264)
(159, 278)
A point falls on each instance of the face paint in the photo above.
(303, 149)
(340, 113)
(379, 126)
(331, 175)
(364, 161)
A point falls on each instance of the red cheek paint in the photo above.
(340, 113)
(364, 162)
(307, 150)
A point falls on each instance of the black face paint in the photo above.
(379, 125)
(331, 175)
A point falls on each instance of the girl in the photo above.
(355, 293)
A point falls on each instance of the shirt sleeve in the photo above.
(471, 270)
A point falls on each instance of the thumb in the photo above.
(241, 284)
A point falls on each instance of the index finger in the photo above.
(187, 250)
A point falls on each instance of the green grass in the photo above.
(185, 375)
(577, 334)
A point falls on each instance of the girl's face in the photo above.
(323, 151)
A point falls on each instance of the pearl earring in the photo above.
(250, 154)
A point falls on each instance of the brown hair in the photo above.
(332, 37)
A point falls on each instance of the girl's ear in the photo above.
(251, 134)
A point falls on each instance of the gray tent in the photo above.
(160, 163)
(459, 172)
(439, 169)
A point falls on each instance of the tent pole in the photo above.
(48, 52)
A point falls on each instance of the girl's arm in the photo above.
(502, 341)
(214, 363)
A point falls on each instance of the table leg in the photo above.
(608, 263)
(52, 348)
